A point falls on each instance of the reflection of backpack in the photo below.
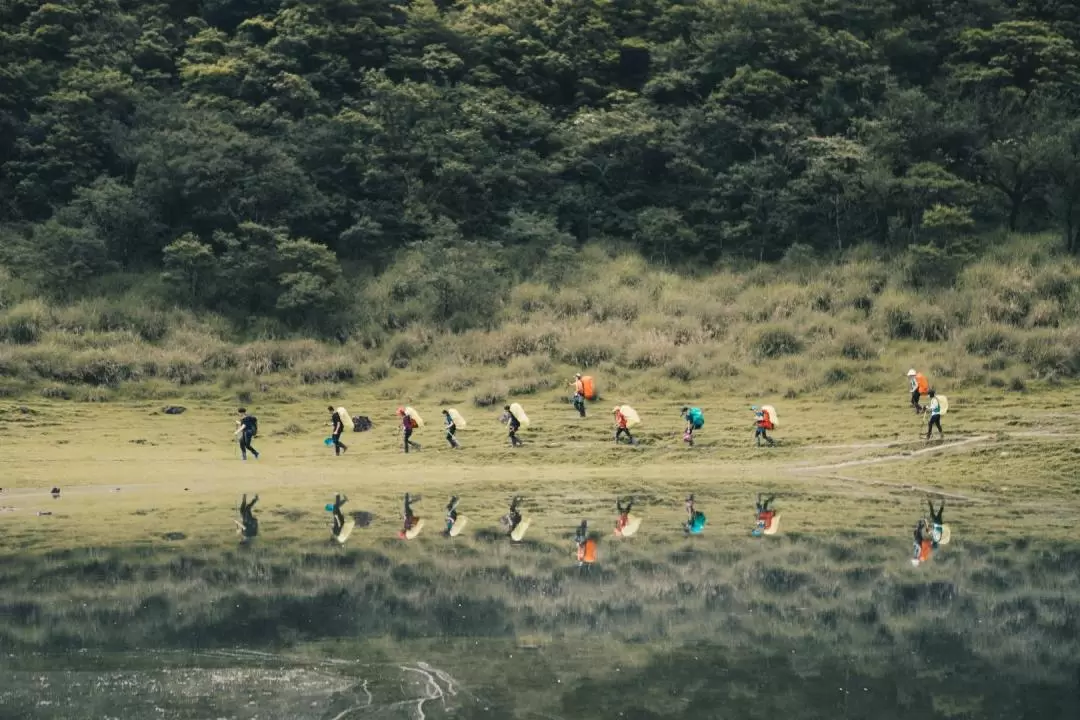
(361, 423)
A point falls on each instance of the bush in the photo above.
(490, 396)
(776, 342)
(987, 341)
(25, 323)
(586, 352)
(858, 347)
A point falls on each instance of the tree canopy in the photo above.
(262, 155)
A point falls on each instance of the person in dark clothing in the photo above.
(514, 425)
(408, 424)
(247, 428)
(249, 524)
(339, 517)
(451, 515)
(451, 430)
(338, 423)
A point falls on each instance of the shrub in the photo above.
(328, 371)
(986, 341)
(836, 375)
(587, 352)
(490, 396)
(858, 347)
(776, 342)
(25, 323)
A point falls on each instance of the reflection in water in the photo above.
(801, 628)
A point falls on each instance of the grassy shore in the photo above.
(663, 626)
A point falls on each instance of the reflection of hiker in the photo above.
(586, 546)
(451, 430)
(407, 516)
(339, 427)
(936, 522)
(579, 395)
(247, 427)
(451, 514)
(622, 427)
(695, 420)
(513, 424)
(513, 518)
(339, 518)
(624, 513)
(695, 519)
(764, 514)
(935, 416)
(763, 423)
(249, 524)
(919, 387)
(408, 424)
(923, 545)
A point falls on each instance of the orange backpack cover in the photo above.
(589, 387)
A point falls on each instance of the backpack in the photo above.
(254, 425)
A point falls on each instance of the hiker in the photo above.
(579, 395)
(339, 517)
(763, 423)
(919, 386)
(248, 524)
(451, 430)
(408, 518)
(513, 518)
(624, 513)
(695, 420)
(935, 417)
(936, 522)
(451, 515)
(408, 424)
(338, 423)
(622, 427)
(695, 519)
(247, 427)
(764, 514)
(923, 544)
(513, 425)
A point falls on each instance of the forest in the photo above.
(271, 160)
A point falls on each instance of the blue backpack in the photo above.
(696, 418)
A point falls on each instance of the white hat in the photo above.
(911, 372)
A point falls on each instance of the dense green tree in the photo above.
(242, 148)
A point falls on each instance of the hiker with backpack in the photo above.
(579, 395)
(513, 424)
(512, 519)
(763, 423)
(338, 423)
(247, 427)
(695, 420)
(622, 426)
(935, 417)
(451, 430)
(408, 424)
(624, 513)
(919, 386)
(937, 522)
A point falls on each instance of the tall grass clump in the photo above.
(1016, 308)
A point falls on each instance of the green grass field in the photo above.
(826, 618)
